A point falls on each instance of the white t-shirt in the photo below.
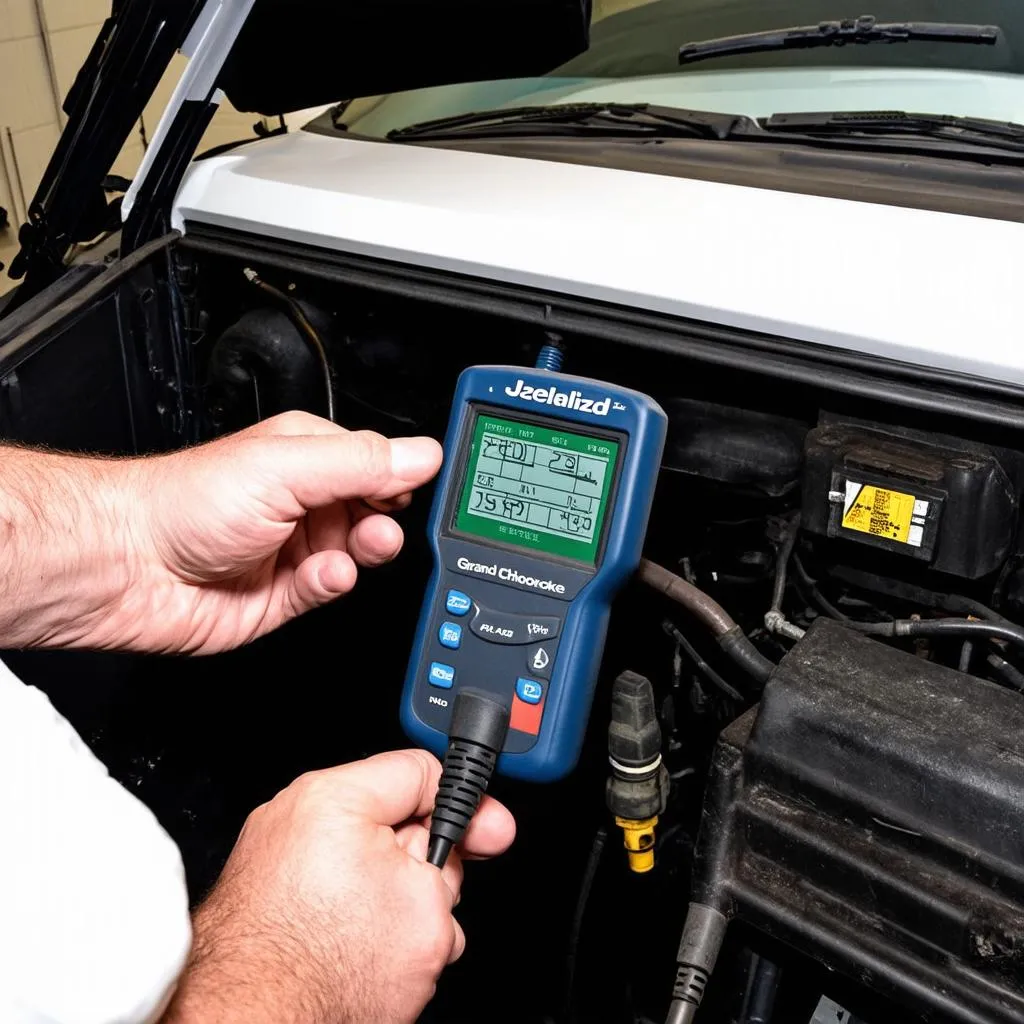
(94, 924)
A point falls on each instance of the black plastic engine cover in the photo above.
(870, 812)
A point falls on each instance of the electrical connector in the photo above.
(475, 738)
(638, 838)
(637, 790)
(703, 934)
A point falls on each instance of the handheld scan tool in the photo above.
(538, 519)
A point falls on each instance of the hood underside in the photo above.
(700, 251)
(292, 55)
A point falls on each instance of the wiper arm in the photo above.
(615, 120)
(964, 136)
(567, 113)
(971, 130)
(865, 29)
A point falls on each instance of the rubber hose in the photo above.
(733, 641)
(736, 645)
(695, 601)
(265, 346)
(943, 627)
(955, 604)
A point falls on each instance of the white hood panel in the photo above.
(931, 289)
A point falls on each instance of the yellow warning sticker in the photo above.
(884, 513)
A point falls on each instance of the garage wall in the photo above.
(42, 45)
(606, 8)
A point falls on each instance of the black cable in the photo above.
(475, 738)
(305, 328)
(1006, 671)
(1010, 674)
(397, 417)
(256, 398)
(817, 596)
(702, 666)
(791, 528)
(701, 942)
(966, 653)
(943, 627)
(762, 989)
(586, 884)
(909, 594)
(775, 621)
(968, 606)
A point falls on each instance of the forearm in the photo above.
(242, 975)
(66, 546)
(200, 550)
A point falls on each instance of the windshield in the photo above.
(634, 58)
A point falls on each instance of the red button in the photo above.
(526, 717)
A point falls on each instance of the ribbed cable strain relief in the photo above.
(690, 984)
(468, 768)
(549, 358)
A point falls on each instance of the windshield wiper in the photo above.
(977, 131)
(865, 29)
(612, 120)
(934, 134)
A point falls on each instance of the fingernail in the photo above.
(325, 578)
(411, 457)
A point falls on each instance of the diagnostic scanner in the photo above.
(538, 519)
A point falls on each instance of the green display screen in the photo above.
(537, 487)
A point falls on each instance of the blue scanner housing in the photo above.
(528, 555)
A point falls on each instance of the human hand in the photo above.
(327, 910)
(203, 549)
(234, 538)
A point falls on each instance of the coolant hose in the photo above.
(734, 642)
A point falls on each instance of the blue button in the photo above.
(457, 603)
(450, 635)
(529, 690)
(441, 675)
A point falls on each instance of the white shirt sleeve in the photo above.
(94, 924)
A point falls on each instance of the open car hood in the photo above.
(268, 57)
(293, 54)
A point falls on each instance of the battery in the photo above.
(953, 509)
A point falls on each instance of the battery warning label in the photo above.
(883, 513)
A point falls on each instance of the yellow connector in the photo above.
(638, 838)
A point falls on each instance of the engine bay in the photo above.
(863, 538)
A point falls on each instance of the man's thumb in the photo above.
(321, 470)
